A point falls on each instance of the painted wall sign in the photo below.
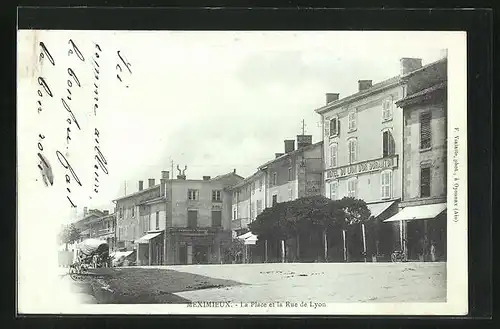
(363, 167)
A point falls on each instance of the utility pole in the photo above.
(172, 164)
(125, 187)
(303, 127)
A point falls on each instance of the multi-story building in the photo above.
(90, 217)
(362, 136)
(290, 175)
(422, 215)
(178, 221)
(104, 228)
(296, 173)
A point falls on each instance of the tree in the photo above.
(234, 249)
(69, 234)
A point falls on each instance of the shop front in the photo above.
(195, 246)
(422, 232)
(150, 249)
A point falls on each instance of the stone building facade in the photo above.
(178, 221)
(422, 214)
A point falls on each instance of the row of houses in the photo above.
(385, 144)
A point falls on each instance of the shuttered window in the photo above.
(352, 186)
(386, 184)
(388, 144)
(425, 130)
(352, 120)
(157, 220)
(333, 127)
(216, 218)
(425, 182)
(333, 155)
(353, 150)
(192, 218)
(333, 190)
(387, 110)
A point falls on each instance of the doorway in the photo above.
(200, 254)
(183, 254)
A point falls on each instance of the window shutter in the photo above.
(389, 184)
(327, 128)
(385, 143)
(328, 150)
(338, 127)
(425, 130)
(392, 145)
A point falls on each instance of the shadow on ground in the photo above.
(148, 286)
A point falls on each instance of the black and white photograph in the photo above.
(242, 172)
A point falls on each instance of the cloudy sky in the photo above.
(226, 100)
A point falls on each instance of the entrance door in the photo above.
(200, 254)
(183, 254)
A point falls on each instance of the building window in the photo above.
(260, 184)
(425, 182)
(216, 218)
(290, 194)
(290, 174)
(193, 195)
(216, 195)
(352, 186)
(386, 184)
(157, 220)
(387, 110)
(425, 130)
(120, 210)
(275, 179)
(352, 120)
(333, 190)
(353, 150)
(275, 199)
(388, 144)
(234, 214)
(133, 211)
(333, 155)
(192, 218)
(334, 127)
(252, 214)
(253, 187)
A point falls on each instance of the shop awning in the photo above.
(378, 208)
(428, 211)
(251, 240)
(147, 237)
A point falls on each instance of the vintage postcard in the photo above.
(242, 172)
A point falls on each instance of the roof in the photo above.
(246, 180)
(409, 74)
(137, 193)
(378, 87)
(232, 173)
(289, 154)
(424, 92)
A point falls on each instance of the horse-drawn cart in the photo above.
(91, 254)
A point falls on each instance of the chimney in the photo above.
(206, 177)
(289, 145)
(151, 182)
(409, 64)
(234, 171)
(364, 84)
(332, 97)
(303, 141)
(141, 185)
(277, 155)
(85, 211)
(106, 212)
(165, 175)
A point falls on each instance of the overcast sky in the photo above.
(218, 101)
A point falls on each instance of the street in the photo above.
(322, 282)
